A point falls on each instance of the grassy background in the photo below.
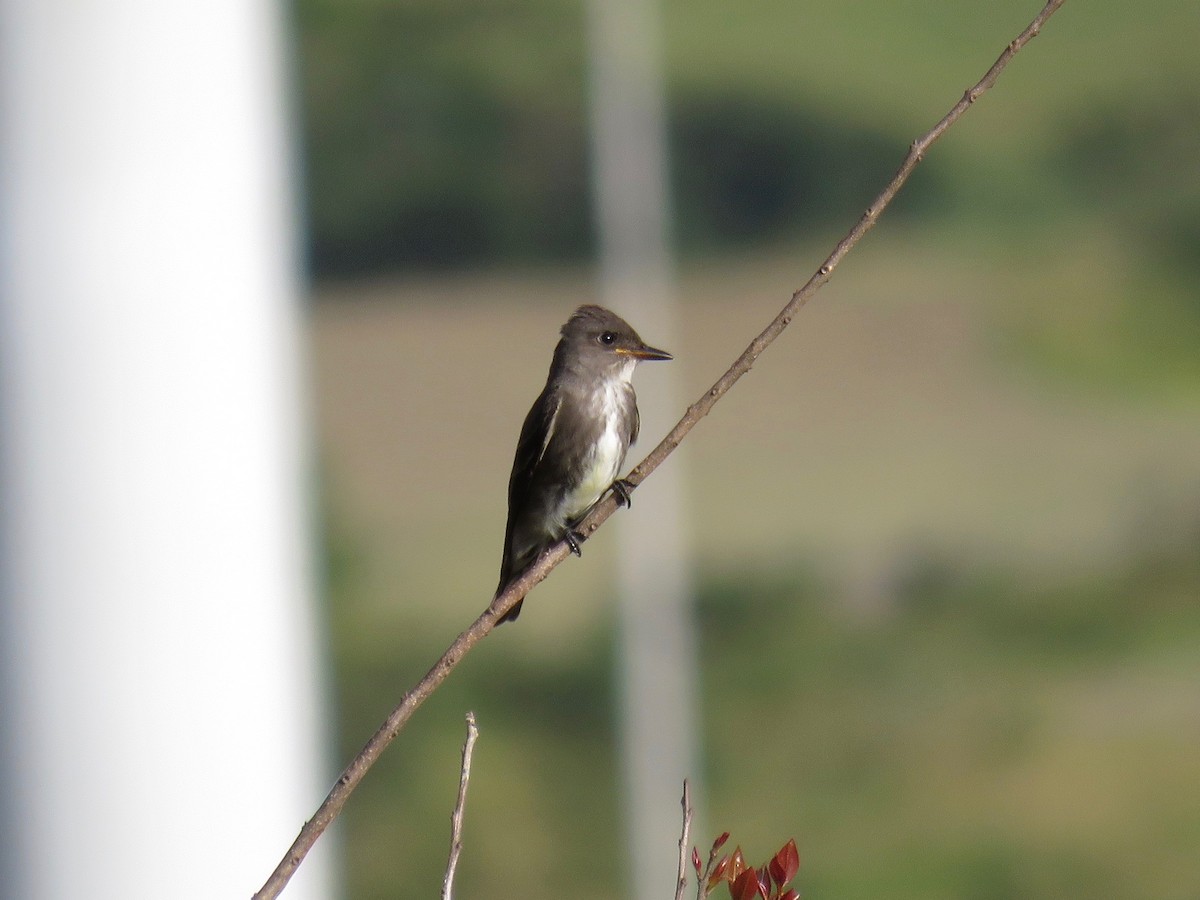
(947, 533)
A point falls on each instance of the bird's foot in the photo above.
(574, 539)
(623, 492)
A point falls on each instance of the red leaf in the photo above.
(696, 860)
(737, 863)
(786, 863)
(720, 842)
(790, 895)
(764, 879)
(719, 871)
(776, 870)
(746, 886)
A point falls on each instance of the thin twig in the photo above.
(456, 820)
(686, 803)
(353, 774)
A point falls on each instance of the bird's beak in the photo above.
(644, 353)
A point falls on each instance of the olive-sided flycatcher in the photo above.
(574, 440)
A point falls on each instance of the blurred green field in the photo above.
(988, 741)
(947, 532)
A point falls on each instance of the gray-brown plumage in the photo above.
(575, 438)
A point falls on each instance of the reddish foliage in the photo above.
(737, 864)
(746, 886)
(718, 872)
(785, 864)
(768, 881)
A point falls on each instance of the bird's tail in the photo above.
(512, 567)
(507, 579)
(511, 615)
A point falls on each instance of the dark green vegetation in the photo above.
(441, 134)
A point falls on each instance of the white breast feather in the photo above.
(604, 462)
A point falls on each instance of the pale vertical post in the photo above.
(657, 647)
(160, 687)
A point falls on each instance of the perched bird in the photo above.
(574, 440)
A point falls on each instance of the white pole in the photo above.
(657, 629)
(160, 714)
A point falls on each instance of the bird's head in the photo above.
(598, 339)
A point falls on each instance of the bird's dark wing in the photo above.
(536, 435)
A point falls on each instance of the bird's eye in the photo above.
(608, 337)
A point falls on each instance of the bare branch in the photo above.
(686, 803)
(353, 774)
(456, 820)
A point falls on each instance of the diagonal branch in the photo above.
(396, 720)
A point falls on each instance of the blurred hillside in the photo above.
(448, 134)
(947, 531)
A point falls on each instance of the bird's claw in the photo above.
(573, 539)
(623, 492)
